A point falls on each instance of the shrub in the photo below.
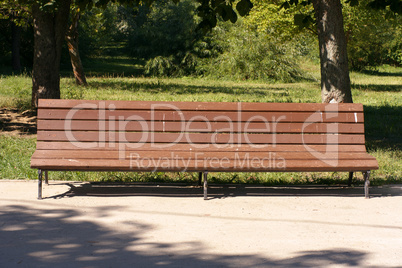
(374, 36)
(247, 54)
(164, 30)
(160, 66)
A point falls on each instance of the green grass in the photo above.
(14, 157)
(379, 91)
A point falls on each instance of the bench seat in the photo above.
(199, 161)
(79, 135)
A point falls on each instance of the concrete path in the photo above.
(91, 225)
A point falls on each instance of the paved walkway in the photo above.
(89, 225)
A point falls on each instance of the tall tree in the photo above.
(50, 23)
(72, 44)
(19, 13)
(335, 80)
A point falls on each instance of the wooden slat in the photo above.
(199, 106)
(202, 138)
(188, 155)
(43, 145)
(223, 166)
(125, 116)
(86, 125)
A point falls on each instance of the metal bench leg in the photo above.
(39, 184)
(46, 178)
(366, 176)
(205, 185)
(350, 179)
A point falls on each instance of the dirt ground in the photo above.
(14, 122)
(148, 225)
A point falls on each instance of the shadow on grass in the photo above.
(180, 89)
(22, 123)
(108, 66)
(380, 73)
(57, 237)
(383, 127)
(378, 88)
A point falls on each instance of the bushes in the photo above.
(393, 48)
(247, 54)
(173, 66)
(166, 36)
(164, 30)
(374, 36)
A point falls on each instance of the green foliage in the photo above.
(394, 48)
(172, 66)
(247, 54)
(211, 10)
(160, 66)
(16, 11)
(373, 37)
(232, 50)
(164, 35)
(285, 24)
(98, 29)
(163, 30)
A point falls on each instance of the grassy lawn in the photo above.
(379, 91)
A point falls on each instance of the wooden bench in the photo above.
(81, 135)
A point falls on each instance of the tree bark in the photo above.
(335, 80)
(15, 48)
(72, 43)
(49, 32)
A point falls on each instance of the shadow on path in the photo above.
(55, 237)
(218, 191)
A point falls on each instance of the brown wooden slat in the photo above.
(125, 116)
(214, 138)
(127, 155)
(43, 145)
(200, 106)
(223, 166)
(203, 126)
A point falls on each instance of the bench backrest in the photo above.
(144, 125)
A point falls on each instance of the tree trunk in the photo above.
(49, 32)
(335, 80)
(15, 48)
(72, 43)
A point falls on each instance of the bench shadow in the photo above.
(58, 237)
(219, 191)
